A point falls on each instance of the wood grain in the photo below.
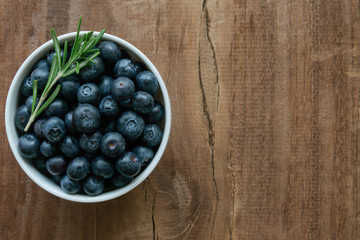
(265, 133)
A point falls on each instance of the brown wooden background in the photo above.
(265, 134)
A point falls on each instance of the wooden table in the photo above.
(265, 132)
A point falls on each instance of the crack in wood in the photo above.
(206, 109)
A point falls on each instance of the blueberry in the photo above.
(69, 123)
(152, 135)
(39, 128)
(90, 142)
(69, 186)
(105, 85)
(142, 102)
(89, 93)
(130, 125)
(147, 82)
(29, 102)
(108, 125)
(86, 118)
(56, 179)
(22, 116)
(27, 87)
(125, 68)
(144, 154)
(54, 129)
(112, 144)
(125, 105)
(156, 114)
(102, 167)
(93, 185)
(57, 108)
(109, 52)
(78, 168)
(56, 165)
(51, 56)
(29, 146)
(93, 71)
(128, 164)
(119, 180)
(122, 89)
(108, 107)
(48, 149)
(70, 147)
(69, 88)
(41, 75)
(42, 64)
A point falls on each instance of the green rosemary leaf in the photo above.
(53, 72)
(90, 51)
(76, 38)
(98, 38)
(56, 45)
(50, 100)
(81, 64)
(65, 52)
(35, 83)
(77, 68)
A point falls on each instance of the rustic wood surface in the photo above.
(265, 133)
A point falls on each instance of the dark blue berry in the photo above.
(29, 102)
(112, 144)
(54, 129)
(57, 108)
(144, 154)
(109, 52)
(41, 75)
(22, 116)
(78, 168)
(152, 135)
(128, 164)
(42, 64)
(86, 118)
(122, 89)
(105, 85)
(93, 71)
(142, 102)
(119, 180)
(125, 68)
(156, 114)
(93, 185)
(70, 147)
(108, 107)
(27, 87)
(69, 88)
(48, 149)
(90, 142)
(89, 93)
(51, 56)
(56, 165)
(69, 123)
(102, 167)
(130, 125)
(39, 128)
(29, 146)
(69, 186)
(147, 82)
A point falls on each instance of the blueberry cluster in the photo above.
(101, 131)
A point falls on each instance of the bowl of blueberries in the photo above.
(104, 131)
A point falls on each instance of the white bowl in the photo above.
(13, 99)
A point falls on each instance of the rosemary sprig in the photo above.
(82, 53)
